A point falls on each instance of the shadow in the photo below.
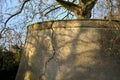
(66, 53)
(92, 64)
(39, 49)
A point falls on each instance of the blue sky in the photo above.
(19, 22)
(13, 6)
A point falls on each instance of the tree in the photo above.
(16, 14)
(118, 5)
(81, 10)
(113, 9)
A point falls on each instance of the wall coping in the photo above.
(83, 23)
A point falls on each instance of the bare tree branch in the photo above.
(52, 10)
(81, 10)
(14, 15)
(68, 5)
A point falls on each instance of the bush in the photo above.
(9, 62)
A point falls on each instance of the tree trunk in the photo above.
(81, 10)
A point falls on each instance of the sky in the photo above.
(13, 6)
(19, 22)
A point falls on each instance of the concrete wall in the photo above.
(67, 50)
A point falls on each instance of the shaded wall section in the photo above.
(67, 50)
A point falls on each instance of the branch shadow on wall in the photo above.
(90, 63)
(78, 56)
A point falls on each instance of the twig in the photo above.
(52, 10)
(14, 15)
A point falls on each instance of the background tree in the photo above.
(16, 15)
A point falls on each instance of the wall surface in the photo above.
(67, 50)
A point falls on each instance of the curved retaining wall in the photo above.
(67, 50)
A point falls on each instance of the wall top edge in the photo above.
(83, 23)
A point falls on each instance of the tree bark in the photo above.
(81, 10)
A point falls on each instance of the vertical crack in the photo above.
(43, 77)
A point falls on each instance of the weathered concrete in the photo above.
(67, 50)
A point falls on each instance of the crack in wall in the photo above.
(43, 77)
